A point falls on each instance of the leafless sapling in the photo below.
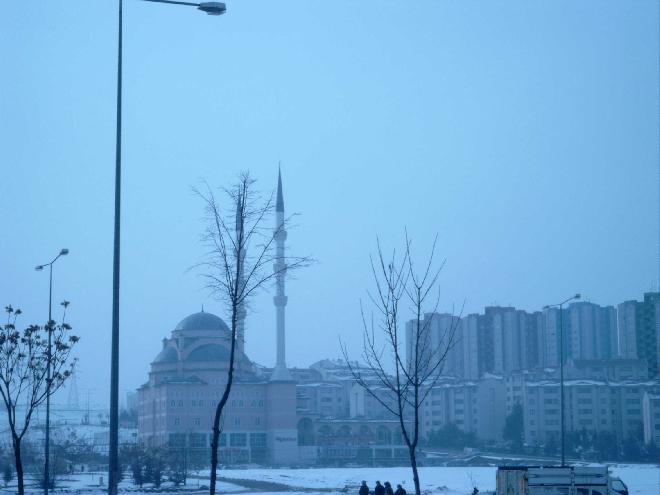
(401, 381)
(240, 261)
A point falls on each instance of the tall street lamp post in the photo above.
(211, 8)
(561, 371)
(49, 327)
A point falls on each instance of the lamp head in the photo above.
(39, 267)
(546, 307)
(213, 8)
(577, 296)
(64, 252)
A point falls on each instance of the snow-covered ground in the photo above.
(641, 480)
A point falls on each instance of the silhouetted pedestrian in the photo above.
(364, 489)
(379, 489)
(388, 488)
(400, 490)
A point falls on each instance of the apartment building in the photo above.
(651, 418)
(473, 406)
(639, 330)
(593, 405)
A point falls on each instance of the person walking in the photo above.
(388, 488)
(364, 489)
(400, 490)
(379, 489)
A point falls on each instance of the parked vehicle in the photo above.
(557, 480)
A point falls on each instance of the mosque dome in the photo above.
(202, 321)
(209, 352)
(167, 355)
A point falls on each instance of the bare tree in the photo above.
(400, 381)
(238, 263)
(23, 373)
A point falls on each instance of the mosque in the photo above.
(187, 378)
(275, 416)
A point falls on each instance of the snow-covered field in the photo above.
(641, 480)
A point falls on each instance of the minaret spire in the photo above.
(280, 373)
(279, 206)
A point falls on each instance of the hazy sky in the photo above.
(524, 133)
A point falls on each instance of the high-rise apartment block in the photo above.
(639, 330)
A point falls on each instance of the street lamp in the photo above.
(561, 369)
(49, 327)
(211, 8)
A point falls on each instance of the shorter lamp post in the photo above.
(561, 370)
(49, 327)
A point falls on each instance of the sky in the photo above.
(523, 133)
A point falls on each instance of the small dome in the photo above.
(167, 355)
(209, 352)
(202, 321)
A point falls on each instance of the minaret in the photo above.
(72, 384)
(280, 372)
(240, 314)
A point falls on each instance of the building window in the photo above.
(177, 421)
(177, 440)
(257, 439)
(196, 421)
(197, 440)
(238, 439)
(237, 421)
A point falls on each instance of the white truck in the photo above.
(558, 480)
